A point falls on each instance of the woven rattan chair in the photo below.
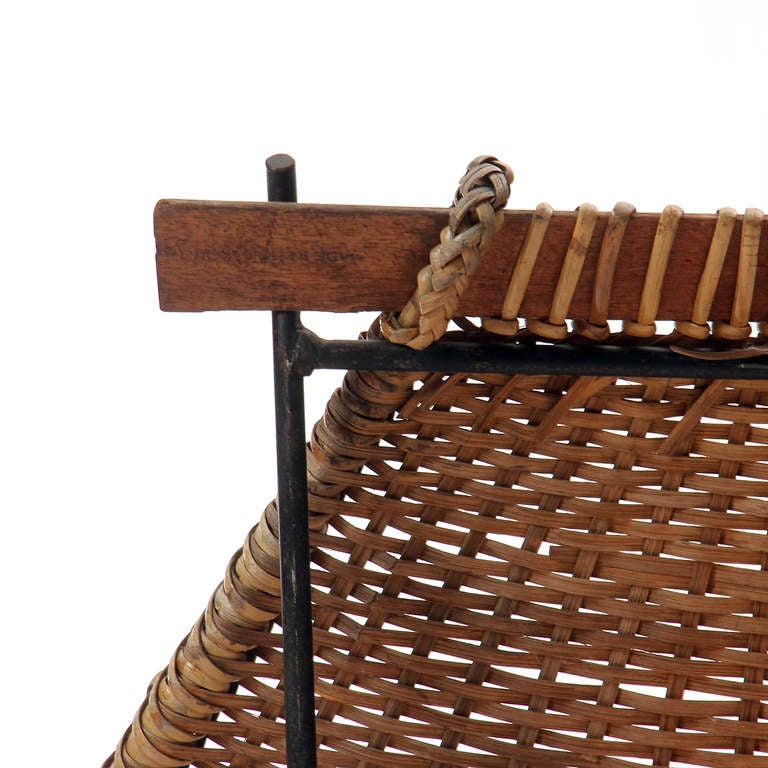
(543, 566)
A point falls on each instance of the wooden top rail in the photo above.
(278, 256)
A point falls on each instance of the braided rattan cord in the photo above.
(508, 570)
(474, 217)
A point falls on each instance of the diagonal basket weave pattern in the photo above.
(508, 570)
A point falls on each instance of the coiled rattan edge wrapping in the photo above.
(247, 602)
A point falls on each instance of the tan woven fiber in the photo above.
(596, 327)
(554, 327)
(476, 213)
(507, 324)
(509, 571)
(738, 328)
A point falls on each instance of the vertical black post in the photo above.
(292, 505)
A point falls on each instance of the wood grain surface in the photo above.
(277, 256)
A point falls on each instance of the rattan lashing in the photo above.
(510, 570)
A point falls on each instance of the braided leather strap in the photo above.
(475, 216)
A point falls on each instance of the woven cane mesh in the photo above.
(508, 571)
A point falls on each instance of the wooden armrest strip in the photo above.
(276, 256)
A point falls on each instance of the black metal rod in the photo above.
(281, 179)
(298, 671)
(465, 357)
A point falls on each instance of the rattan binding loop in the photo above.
(596, 328)
(508, 324)
(738, 328)
(697, 327)
(645, 325)
(554, 327)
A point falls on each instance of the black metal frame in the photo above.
(298, 352)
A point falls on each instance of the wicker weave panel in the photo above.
(508, 571)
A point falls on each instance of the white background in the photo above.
(136, 446)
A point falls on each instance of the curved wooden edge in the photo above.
(337, 258)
